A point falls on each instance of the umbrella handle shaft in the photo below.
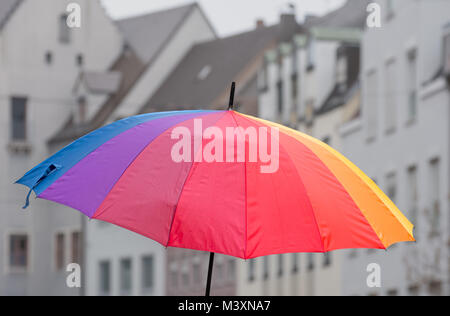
(233, 87)
(210, 269)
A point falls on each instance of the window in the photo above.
(294, 90)
(105, 278)
(372, 104)
(64, 30)
(392, 292)
(309, 112)
(434, 187)
(435, 288)
(280, 265)
(82, 109)
(219, 275)
(76, 246)
(389, 9)
(326, 259)
(196, 273)
(390, 96)
(294, 82)
(125, 276)
(80, 60)
(19, 118)
(310, 262)
(185, 272)
(231, 269)
(280, 96)
(341, 71)
(204, 72)
(413, 290)
(264, 74)
(251, 270)
(391, 188)
(59, 251)
(294, 60)
(265, 268)
(18, 252)
(411, 81)
(310, 55)
(173, 274)
(48, 58)
(295, 263)
(147, 273)
(412, 194)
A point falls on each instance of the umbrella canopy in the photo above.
(220, 181)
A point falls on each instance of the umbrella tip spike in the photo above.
(231, 103)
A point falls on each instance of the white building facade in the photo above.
(296, 87)
(402, 142)
(40, 58)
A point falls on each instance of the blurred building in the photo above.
(118, 261)
(309, 83)
(401, 140)
(40, 59)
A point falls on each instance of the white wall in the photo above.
(28, 35)
(417, 25)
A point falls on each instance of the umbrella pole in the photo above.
(210, 269)
(233, 87)
(211, 255)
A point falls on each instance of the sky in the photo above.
(227, 16)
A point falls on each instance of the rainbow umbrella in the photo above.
(222, 182)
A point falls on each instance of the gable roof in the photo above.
(146, 34)
(209, 68)
(131, 65)
(7, 8)
(352, 14)
(130, 68)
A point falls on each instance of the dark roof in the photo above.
(352, 14)
(222, 60)
(146, 34)
(7, 8)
